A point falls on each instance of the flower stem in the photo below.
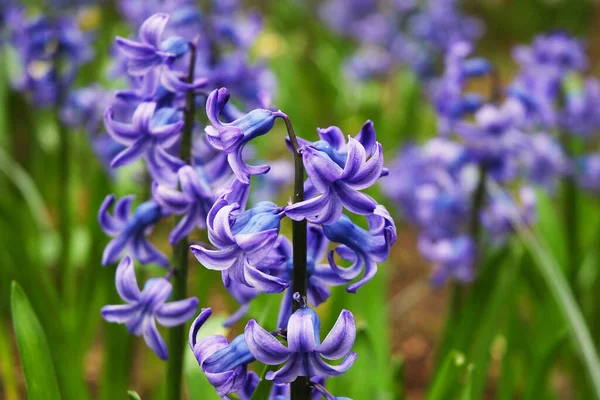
(64, 208)
(178, 335)
(300, 389)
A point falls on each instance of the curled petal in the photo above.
(121, 313)
(107, 222)
(263, 282)
(125, 134)
(263, 346)
(152, 29)
(356, 159)
(123, 208)
(321, 170)
(321, 368)
(215, 103)
(191, 184)
(334, 136)
(176, 312)
(170, 199)
(219, 223)
(289, 372)
(317, 243)
(113, 250)
(242, 170)
(205, 313)
(135, 50)
(126, 282)
(347, 273)
(367, 137)
(323, 209)
(186, 225)
(146, 253)
(303, 331)
(174, 83)
(370, 271)
(369, 172)
(340, 339)
(257, 245)
(154, 340)
(130, 154)
(353, 201)
(142, 116)
(217, 260)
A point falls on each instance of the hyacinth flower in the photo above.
(338, 187)
(581, 114)
(243, 241)
(232, 137)
(224, 363)
(318, 391)
(304, 351)
(320, 276)
(150, 133)
(364, 248)
(544, 161)
(152, 59)
(193, 201)
(587, 172)
(128, 230)
(502, 210)
(146, 307)
(454, 257)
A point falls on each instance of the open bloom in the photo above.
(302, 356)
(339, 187)
(193, 202)
(361, 247)
(146, 307)
(128, 231)
(153, 60)
(243, 241)
(224, 363)
(231, 137)
(150, 134)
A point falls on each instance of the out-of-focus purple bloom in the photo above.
(224, 363)
(193, 202)
(337, 183)
(269, 186)
(581, 114)
(128, 230)
(544, 161)
(556, 50)
(146, 307)
(85, 108)
(587, 172)
(502, 210)
(243, 241)
(302, 356)
(364, 248)
(233, 136)
(453, 258)
(51, 50)
(149, 134)
(368, 62)
(243, 295)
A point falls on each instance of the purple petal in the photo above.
(152, 29)
(323, 209)
(142, 116)
(369, 172)
(121, 313)
(356, 158)
(154, 340)
(185, 226)
(113, 250)
(218, 260)
(122, 133)
(219, 231)
(134, 50)
(214, 105)
(242, 170)
(340, 339)
(354, 201)
(190, 183)
(197, 324)
(370, 271)
(367, 137)
(334, 136)
(107, 221)
(288, 373)
(146, 253)
(321, 368)
(126, 282)
(257, 245)
(347, 273)
(317, 242)
(174, 83)
(123, 207)
(263, 282)
(170, 199)
(176, 312)
(130, 154)
(285, 310)
(321, 169)
(263, 346)
(303, 331)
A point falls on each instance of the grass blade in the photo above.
(33, 349)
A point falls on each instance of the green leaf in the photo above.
(33, 347)
(133, 395)
(468, 392)
(453, 363)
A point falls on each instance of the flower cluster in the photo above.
(391, 33)
(516, 137)
(253, 257)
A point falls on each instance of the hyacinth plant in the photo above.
(246, 243)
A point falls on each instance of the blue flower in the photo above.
(224, 363)
(233, 136)
(498, 216)
(302, 356)
(364, 248)
(587, 172)
(128, 231)
(146, 307)
(454, 257)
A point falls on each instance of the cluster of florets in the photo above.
(494, 145)
(392, 33)
(212, 191)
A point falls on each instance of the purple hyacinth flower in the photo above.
(453, 258)
(146, 307)
(320, 276)
(556, 50)
(224, 363)
(502, 210)
(193, 202)
(128, 230)
(152, 59)
(338, 187)
(304, 351)
(587, 172)
(581, 115)
(361, 247)
(150, 134)
(243, 242)
(318, 391)
(233, 136)
(545, 161)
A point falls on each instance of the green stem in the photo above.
(300, 389)
(177, 336)
(64, 208)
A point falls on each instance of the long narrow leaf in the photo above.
(33, 349)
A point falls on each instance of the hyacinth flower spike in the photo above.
(339, 187)
(361, 247)
(152, 59)
(232, 137)
(224, 363)
(128, 230)
(453, 257)
(243, 241)
(304, 352)
(193, 202)
(146, 307)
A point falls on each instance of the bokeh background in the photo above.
(506, 334)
